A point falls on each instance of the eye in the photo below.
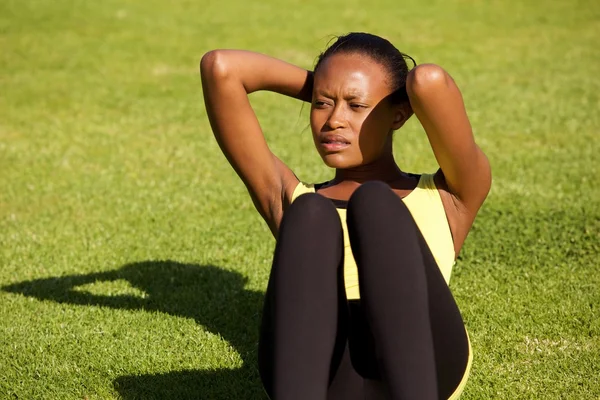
(357, 105)
(320, 103)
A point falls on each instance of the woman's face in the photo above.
(351, 117)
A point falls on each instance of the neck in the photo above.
(383, 169)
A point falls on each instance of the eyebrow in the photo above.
(351, 94)
(354, 96)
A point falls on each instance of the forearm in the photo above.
(257, 71)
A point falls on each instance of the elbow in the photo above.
(214, 65)
(426, 76)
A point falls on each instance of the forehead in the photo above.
(352, 72)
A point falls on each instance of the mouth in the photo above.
(334, 142)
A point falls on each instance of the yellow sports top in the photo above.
(425, 205)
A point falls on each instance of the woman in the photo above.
(365, 258)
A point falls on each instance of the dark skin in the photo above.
(350, 99)
(352, 120)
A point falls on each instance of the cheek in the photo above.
(374, 128)
(368, 125)
(316, 120)
(379, 123)
(315, 126)
(313, 122)
(374, 132)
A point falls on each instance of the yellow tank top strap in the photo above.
(302, 188)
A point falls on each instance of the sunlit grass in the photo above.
(132, 261)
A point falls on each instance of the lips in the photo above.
(334, 142)
(334, 139)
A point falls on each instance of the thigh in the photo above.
(450, 340)
(305, 286)
(361, 343)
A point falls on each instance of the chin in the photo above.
(339, 161)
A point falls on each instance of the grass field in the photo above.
(132, 262)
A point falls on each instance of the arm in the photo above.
(438, 104)
(228, 76)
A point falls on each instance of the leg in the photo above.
(302, 337)
(450, 342)
(417, 331)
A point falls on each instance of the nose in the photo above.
(337, 118)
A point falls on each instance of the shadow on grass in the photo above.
(212, 296)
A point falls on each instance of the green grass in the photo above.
(132, 262)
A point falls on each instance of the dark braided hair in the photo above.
(379, 50)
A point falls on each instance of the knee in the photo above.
(371, 193)
(310, 238)
(375, 198)
(312, 210)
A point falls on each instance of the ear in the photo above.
(402, 113)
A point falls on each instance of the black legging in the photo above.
(405, 330)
